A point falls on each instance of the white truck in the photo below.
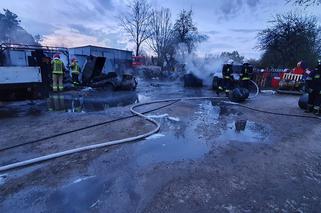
(19, 82)
(25, 71)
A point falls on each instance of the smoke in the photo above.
(18, 35)
(203, 67)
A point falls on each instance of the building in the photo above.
(116, 60)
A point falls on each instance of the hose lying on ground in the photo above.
(95, 146)
(274, 113)
(81, 129)
(130, 139)
(106, 122)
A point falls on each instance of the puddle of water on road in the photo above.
(93, 103)
(96, 102)
(181, 141)
(79, 196)
(244, 131)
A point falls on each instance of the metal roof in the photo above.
(103, 48)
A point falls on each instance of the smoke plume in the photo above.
(203, 67)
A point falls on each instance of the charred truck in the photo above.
(105, 67)
(25, 71)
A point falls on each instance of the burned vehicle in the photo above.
(94, 77)
(25, 71)
(191, 80)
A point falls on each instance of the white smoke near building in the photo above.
(204, 67)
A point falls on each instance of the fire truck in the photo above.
(138, 61)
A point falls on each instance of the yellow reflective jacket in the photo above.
(57, 67)
(75, 69)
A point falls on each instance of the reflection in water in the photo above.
(69, 103)
(244, 131)
(179, 141)
(95, 102)
(79, 196)
(240, 125)
(59, 102)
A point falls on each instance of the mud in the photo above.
(208, 157)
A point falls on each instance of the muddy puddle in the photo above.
(89, 100)
(91, 103)
(210, 126)
(80, 195)
(244, 131)
(71, 103)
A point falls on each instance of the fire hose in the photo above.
(100, 145)
(135, 138)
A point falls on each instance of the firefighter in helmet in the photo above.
(314, 90)
(58, 70)
(299, 70)
(75, 71)
(245, 75)
(227, 77)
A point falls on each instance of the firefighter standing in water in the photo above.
(227, 77)
(314, 89)
(58, 69)
(245, 75)
(75, 71)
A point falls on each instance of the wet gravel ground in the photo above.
(208, 157)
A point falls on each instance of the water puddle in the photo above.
(194, 136)
(244, 131)
(91, 102)
(79, 196)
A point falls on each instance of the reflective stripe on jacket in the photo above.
(57, 66)
(75, 69)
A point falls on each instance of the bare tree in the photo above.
(136, 22)
(290, 39)
(161, 40)
(186, 31)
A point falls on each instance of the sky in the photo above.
(230, 24)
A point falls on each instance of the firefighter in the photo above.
(58, 70)
(314, 89)
(245, 75)
(299, 70)
(227, 77)
(75, 71)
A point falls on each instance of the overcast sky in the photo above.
(230, 24)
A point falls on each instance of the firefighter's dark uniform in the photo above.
(314, 89)
(227, 78)
(245, 76)
(75, 71)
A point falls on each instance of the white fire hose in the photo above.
(115, 142)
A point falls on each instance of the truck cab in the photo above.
(25, 71)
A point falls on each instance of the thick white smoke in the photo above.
(202, 67)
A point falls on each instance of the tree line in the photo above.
(290, 37)
(154, 28)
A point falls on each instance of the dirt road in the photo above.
(208, 157)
